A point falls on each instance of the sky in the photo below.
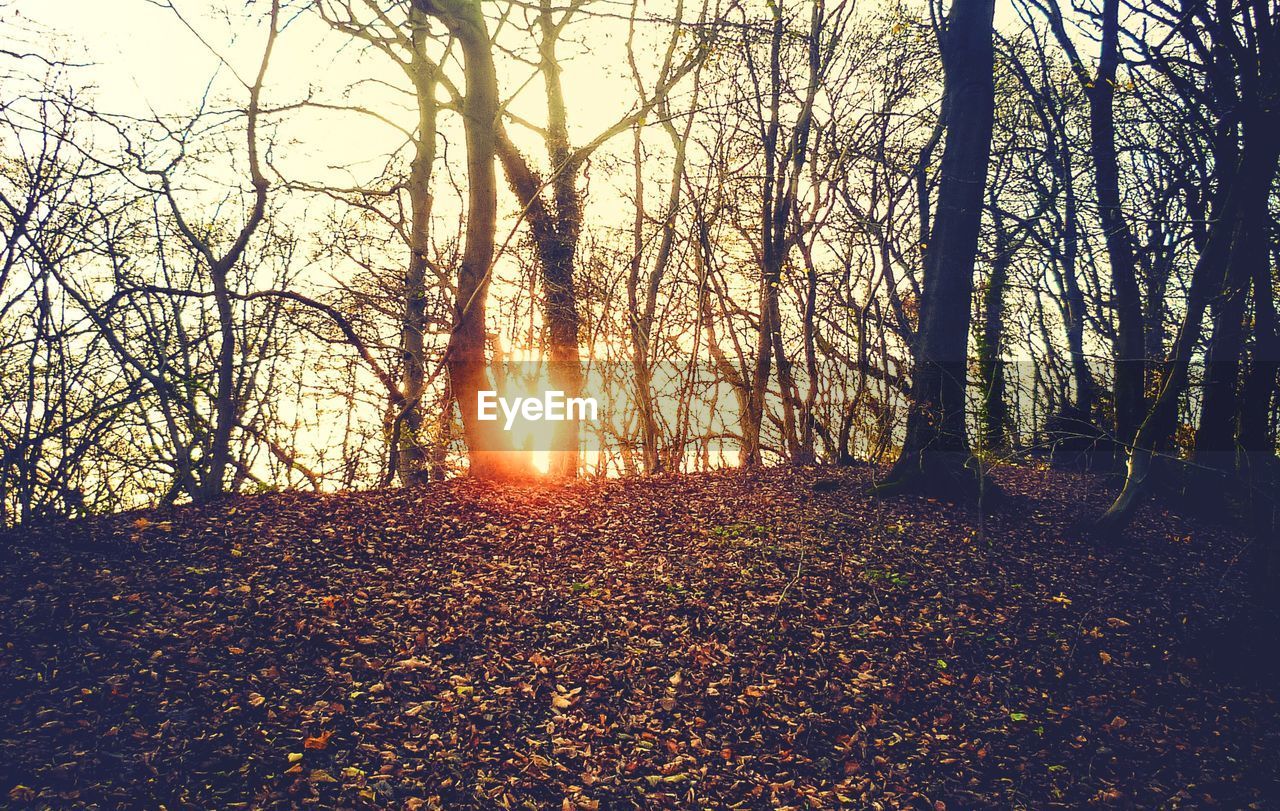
(144, 59)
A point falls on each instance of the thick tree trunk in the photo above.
(1259, 469)
(488, 449)
(1215, 441)
(556, 227)
(559, 253)
(555, 235)
(1242, 193)
(936, 451)
(564, 356)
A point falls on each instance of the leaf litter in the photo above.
(723, 640)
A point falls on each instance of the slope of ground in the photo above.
(711, 641)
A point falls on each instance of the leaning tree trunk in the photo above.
(936, 451)
(1227, 243)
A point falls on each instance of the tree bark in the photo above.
(935, 450)
(556, 223)
(644, 308)
(1130, 349)
(1215, 441)
(488, 450)
(1130, 343)
(991, 372)
(415, 459)
(1261, 378)
(1227, 244)
(783, 161)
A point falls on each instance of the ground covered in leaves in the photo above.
(726, 640)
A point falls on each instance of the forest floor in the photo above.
(705, 641)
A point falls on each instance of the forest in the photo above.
(899, 388)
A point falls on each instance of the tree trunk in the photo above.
(1215, 441)
(753, 418)
(1085, 388)
(808, 407)
(641, 321)
(1226, 245)
(644, 309)
(936, 450)
(991, 373)
(1130, 350)
(487, 447)
(783, 160)
(414, 457)
(559, 252)
(226, 407)
(1260, 380)
(1259, 471)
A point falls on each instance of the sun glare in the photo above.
(541, 461)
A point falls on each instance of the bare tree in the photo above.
(936, 450)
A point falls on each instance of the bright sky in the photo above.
(143, 58)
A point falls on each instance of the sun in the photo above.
(540, 461)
